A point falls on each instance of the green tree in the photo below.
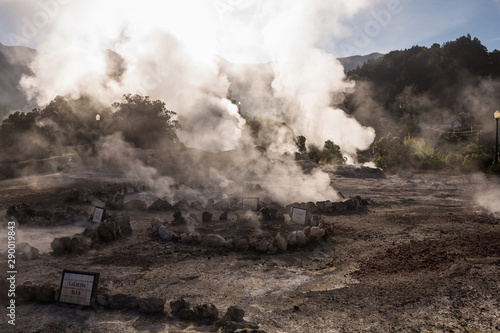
(329, 154)
(301, 143)
(389, 152)
(144, 122)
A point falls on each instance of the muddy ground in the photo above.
(423, 257)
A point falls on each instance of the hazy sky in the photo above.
(381, 26)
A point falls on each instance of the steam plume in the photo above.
(170, 52)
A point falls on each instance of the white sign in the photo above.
(98, 215)
(299, 215)
(78, 288)
(250, 203)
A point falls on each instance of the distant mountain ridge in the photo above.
(351, 63)
(14, 63)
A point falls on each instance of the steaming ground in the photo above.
(424, 257)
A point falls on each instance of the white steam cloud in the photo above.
(170, 54)
(171, 51)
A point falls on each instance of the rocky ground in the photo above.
(422, 256)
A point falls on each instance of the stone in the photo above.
(310, 206)
(79, 243)
(157, 222)
(91, 233)
(241, 243)
(179, 304)
(234, 313)
(160, 206)
(206, 217)
(178, 218)
(223, 216)
(103, 297)
(272, 249)
(266, 214)
(107, 231)
(152, 305)
(229, 244)
(28, 252)
(115, 202)
(213, 240)
(358, 202)
(182, 205)
(46, 293)
(135, 205)
(122, 221)
(350, 204)
(26, 292)
(165, 233)
(316, 233)
(281, 242)
(301, 239)
(184, 238)
(307, 232)
(292, 239)
(60, 245)
(186, 314)
(124, 302)
(221, 205)
(210, 204)
(280, 217)
(263, 247)
(197, 205)
(194, 238)
(21, 213)
(316, 220)
(206, 311)
(340, 207)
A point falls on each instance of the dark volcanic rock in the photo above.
(234, 313)
(182, 205)
(107, 231)
(26, 292)
(207, 312)
(61, 245)
(223, 216)
(152, 305)
(28, 252)
(123, 223)
(160, 206)
(124, 302)
(20, 213)
(221, 205)
(206, 216)
(79, 243)
(46, 293)
(115, 202)
(179, 304)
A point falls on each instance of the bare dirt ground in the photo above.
(422, 258)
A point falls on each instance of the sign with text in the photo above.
(78, 288)
(98, 215)
(299, 215)
(250, 203)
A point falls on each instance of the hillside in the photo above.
(353, 62)
(14, 62)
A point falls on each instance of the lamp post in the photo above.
(497, 116)
(97, 118)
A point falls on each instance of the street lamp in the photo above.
(495, 161)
